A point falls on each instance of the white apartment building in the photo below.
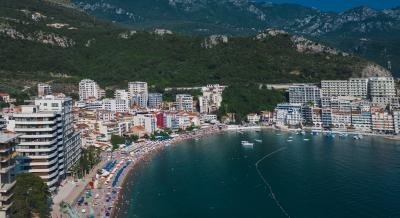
(335, 87)
(8, 141)
(287, 114)
(211, 98)
(88, 89)
(382, 89)
(148, 121)
(253, 118)
(358, 87)
(382, 122)
(44, 89)
(115, 105)
(139, 93)
(122, 94)
(304, 94)
(49, 145)
(155, 100)
(184, 102)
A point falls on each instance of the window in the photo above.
(54, 104)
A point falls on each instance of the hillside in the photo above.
(373, 34)
(44, 41)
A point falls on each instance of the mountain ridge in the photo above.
(371, 33)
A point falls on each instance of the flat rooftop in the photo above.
(6, 137)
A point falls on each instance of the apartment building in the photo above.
(88, 89)
(288, 114)
(382, 89)
(122, 94)
(155, 100)
(335, 87)
(184, 102)
(44, 89)
(148, 121)
(358, 87)
(8, 141)
(49, 145)
(382, 122)
(139, 93)
(304, 94)
(211, 98)
(115, 105)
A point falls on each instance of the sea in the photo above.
(285, 175)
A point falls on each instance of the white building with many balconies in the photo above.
(88, 89)
(49, 146)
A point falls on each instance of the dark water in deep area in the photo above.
(217, 177)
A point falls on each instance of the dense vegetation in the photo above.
(31, 197)
(244, 100)
(370, 33)
(100, 53)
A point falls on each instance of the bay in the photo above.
(217, 177)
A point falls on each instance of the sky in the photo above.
(341, 5)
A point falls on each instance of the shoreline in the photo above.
(146, 151)
(104, 197)
(146, 158)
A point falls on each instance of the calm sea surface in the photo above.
(217, 177)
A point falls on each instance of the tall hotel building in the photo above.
(48, 145)
(139, 93)
(7, 175)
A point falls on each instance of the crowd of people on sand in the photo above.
(104, 190)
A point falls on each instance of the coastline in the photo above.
(103, 199)
(148, 156)
(147, 153)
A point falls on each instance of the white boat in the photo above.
(259, 140)
(306, 139)
(290, 140)
(247, 144)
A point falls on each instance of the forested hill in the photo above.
(44, 41)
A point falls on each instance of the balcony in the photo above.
(36, 122)
(28, 150)
(7, 187)
(38, 142)
(36, 129)
(37, 136)
(6, 169)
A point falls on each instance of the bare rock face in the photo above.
(373, 70)
(214, 40)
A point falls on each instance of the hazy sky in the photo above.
(339, 5)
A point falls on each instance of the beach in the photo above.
(99, 194)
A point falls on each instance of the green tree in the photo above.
(116, 140)
(31, 197)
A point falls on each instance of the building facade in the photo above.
(88, 89)
(184, 102)
(155, 100)
(139, 93)
(304, 94)
(44, 89)
(49, 145)
(8, 143)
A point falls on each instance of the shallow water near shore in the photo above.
(217, 177)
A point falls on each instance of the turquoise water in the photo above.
(217, 177)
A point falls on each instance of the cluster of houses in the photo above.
(358, 104)
(136, 111)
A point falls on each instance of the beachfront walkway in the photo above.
(71, 190)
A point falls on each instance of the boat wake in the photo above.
(271, 193)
